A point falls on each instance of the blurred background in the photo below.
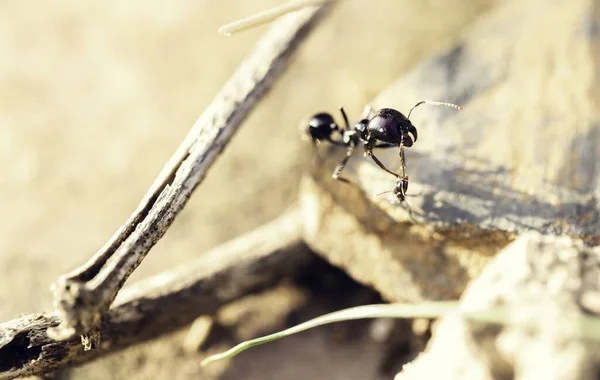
(95, 96)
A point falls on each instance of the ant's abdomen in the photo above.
(321, 126)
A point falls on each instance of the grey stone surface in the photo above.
(522, 156)
(523, 153)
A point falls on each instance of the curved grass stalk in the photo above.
(583, 327)
(422, 310)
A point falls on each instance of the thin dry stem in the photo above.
(267, 16)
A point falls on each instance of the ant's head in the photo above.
(392, 127)
(321, 126)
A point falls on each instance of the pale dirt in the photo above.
(96, 95)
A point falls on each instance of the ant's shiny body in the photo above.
(387, 128)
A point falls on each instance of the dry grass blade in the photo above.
(267, 16)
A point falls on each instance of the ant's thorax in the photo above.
(358, 133)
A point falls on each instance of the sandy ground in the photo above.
(96, 95)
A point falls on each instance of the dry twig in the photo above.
(83, 296)
(164, 302)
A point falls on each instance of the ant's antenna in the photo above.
(434, 104)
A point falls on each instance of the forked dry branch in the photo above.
(83, 296)
(165, 302)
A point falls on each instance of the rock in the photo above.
(402, 263)
(521, 156)
(535, 287)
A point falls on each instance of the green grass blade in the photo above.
(421, 310)
(584, 327)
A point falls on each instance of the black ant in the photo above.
(387, 128)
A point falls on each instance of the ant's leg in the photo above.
(315, 143)
(402, 160)
(409, 208)
(403, 165)
(369, 153)
(342, 165)
(411, 212)
(406, 204)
